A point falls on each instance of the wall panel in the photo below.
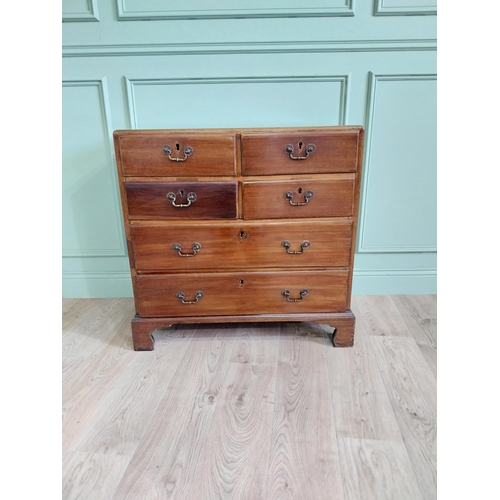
(237, 102)
(398, 208)
(91, 224)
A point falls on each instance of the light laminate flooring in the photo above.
(250, 411)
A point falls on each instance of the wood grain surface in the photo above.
(362, 407)
(411, 388)
(214, 200)
(332, 198)
(419, 314)
(369, 311)
(243, 245)
(166, 463)
(304, 461)
(263, 154)
(241, 293)
(256, 344)
(377, 470)
(241, 411)
(142, 154)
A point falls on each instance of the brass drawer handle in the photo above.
(191, 197)
(289, 196)
(286, 245)
(303, 293)
(310, 149)
(178, 248)
(197, 296)
(188, 151)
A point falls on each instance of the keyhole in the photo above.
(300, 144)
(181, 192)
(241, 282)
(299, 190)
(177, 147)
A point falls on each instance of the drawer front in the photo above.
(241, 293)
(181, 200)
(300, 198)
(313, 153)
(148, 155)
(245, 245)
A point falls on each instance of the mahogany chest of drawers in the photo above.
(240, 225)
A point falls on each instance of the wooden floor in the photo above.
(262, 411)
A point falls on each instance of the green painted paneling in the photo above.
(400, 158)
(405, 7)
(79, 10)
(237, 102)
(374, 70)
(91, 224)
(188, 9)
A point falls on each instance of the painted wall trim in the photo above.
(408, 8)
(342, 79)
(362, 247)
(120, 251)
(394, 281)
(279, 47)
(103, 284)
(89, 15)
(246, 10)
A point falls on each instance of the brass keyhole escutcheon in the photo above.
(243, 235)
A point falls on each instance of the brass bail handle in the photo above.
(303, 293)
(187, 150)
(196, 247)
(287, 245)
(197, 296)
(289, 149)
(172, 197)
(289, 196)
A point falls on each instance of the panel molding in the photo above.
(362, 247)
(247, 10)
(89, 15)
(119, 251)
(342, 79)
(279, 47)
(408, 8)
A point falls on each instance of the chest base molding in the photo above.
(343, 323)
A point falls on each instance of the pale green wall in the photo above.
(228, 63)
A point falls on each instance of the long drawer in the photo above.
(299, 198)
(242, 245)
(181, 200)
(179, 295)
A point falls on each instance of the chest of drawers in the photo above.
(240, 225)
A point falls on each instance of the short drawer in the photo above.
(299, 153)
(242, 245)
(177, 155)
(198, 294)
(299, 198)
(181, 200)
